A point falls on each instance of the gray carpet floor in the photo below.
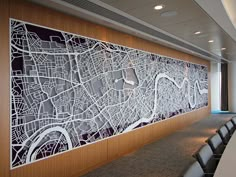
(167, 157)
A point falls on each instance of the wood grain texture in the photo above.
(86, 158)
(4, 89)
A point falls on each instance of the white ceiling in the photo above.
(230, 6)
(191, 17)
(216, 12)
(215, 9)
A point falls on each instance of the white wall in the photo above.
(232, 86)
(215, 86)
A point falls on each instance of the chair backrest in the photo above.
(224, 134)
(215, 141)
(204, 155)
(229, 125)
(195, 170)
(233, 120)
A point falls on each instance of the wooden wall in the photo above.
(4, 90)
(84, 159)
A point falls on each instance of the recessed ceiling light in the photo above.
(211, 41)
(159, 7)
(223, 48)
(197, 32)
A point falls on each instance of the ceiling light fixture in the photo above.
(223, 48)
(159, 7)
(210, 41)
(197, 32)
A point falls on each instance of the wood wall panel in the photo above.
(4, 89)
(86, 158)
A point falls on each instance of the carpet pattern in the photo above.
(167, 157)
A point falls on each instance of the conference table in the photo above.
(227, 164)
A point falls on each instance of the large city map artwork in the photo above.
(68, 90)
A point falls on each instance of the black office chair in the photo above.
(195, 170)
(230, 127)
(224, 134)
(216, 145)
(206, 159)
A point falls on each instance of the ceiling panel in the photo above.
(138, 17)
(219, 14)
(189, 19)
